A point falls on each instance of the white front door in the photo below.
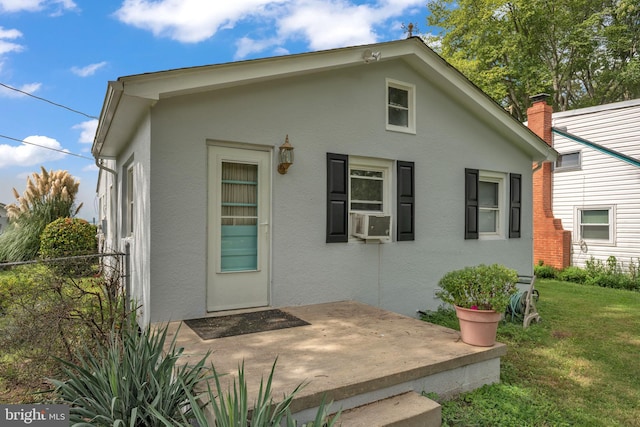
(239, 213)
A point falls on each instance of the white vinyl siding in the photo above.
(602, 180)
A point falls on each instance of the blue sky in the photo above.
(66, 51)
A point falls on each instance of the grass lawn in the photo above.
(579, 367)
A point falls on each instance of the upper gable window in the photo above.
(568, 161)
(401, 107)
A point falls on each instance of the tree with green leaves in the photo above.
(582, 52)
(49, 195)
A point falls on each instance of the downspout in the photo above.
(539, 164)
(115, 92)
(106, 169)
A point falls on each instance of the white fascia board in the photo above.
(139, 92)
(598, 108)
(119, 116)
(178, 82)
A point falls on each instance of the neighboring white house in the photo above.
(389, 132)
(4, 220)
(596, 180)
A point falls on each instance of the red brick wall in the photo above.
(551, 243)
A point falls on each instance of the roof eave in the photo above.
(141, 91)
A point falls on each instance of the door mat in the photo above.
(209, 328)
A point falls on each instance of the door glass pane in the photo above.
(239, 217)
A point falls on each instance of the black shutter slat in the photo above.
(515, 204)
(406, 201)
(471, 203)
(337, 197)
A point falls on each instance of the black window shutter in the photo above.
(406, 201)
(471, 203)
(515, 203)
(337, 197)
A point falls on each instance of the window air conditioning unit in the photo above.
(371, 226)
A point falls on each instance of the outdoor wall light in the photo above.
(285, 156)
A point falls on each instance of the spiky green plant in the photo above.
(130, 380)
(231, 408)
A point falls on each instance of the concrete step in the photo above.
(404, 410)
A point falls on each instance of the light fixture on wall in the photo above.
(370, 56)
(285, 156)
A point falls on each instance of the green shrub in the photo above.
(136, 379)
(481, 287)
(130, 380)
(68, 237)
(543, 271)
(572, 274)
(44, 316)
(615, 281)
(232, 409)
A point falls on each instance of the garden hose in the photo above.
(518, 304)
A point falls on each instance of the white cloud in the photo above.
(322, 23)
(189, 21)
(247, 46)
(9, 46)
(30, 155)
(35, 5)
(87, 131)
(330, 24)
(88, 70)
(28, 88)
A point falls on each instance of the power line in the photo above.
(48, 148)
(46, 100)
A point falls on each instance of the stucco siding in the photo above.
(137, 157)
(602, 180)
(339, 112)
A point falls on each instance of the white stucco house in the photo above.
(596, 180)
(403, 170)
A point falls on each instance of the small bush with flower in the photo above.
(481, 287)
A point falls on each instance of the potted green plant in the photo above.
(480, 295)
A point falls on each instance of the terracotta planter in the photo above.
(478, 327)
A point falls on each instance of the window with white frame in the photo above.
(568, 161)
(595, 224)
(491, 204)
(130, 201)
(369, 185)
(401, 108)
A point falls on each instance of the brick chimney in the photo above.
(551, 243)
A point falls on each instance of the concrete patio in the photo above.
(370, 362)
